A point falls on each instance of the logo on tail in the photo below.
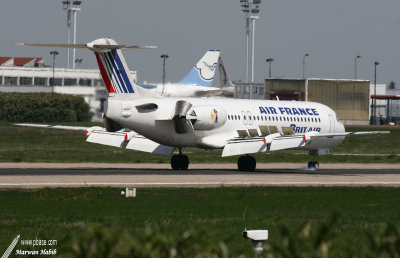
(114, 72)
(202, 74)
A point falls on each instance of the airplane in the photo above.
(197, 83)
(138, 119)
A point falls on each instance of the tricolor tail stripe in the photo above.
(103, 73)
(114, 72)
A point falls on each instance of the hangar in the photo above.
(348, 98)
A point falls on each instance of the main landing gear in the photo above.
(246, 163)
(180, 161)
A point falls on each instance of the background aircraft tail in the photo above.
(223, 75)
(202, 74)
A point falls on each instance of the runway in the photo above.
(39, 175)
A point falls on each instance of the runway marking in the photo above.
(204, 183)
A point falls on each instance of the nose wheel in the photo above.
(313, 164)
(180, 161)
(246, 163)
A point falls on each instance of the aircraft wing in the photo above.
(240, 146)
(78, 128)
(99, 135)
(349, 134)
(274, 142)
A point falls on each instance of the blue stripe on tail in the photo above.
(123, 72)
(117, 72)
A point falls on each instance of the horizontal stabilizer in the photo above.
(141, 143)
(53, 45)
(115, 139)
(243, 147)
(87, 46)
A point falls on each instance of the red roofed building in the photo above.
(6, 61)
(22, 61)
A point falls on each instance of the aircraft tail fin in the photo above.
(113, 68)
(202, 74)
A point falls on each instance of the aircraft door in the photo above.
(244, 118)
(250, 119)
(331, 124)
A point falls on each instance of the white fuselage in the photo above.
(210, 123)
(182, 90)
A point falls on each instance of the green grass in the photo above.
(66, 215)
(22, 144)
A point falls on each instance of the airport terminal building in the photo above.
(30, 75)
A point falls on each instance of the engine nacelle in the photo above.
(207, 117)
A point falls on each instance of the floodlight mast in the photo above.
(72, 9)
(251, 11)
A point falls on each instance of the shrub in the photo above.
(43, 107)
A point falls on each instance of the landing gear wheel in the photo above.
(242, 163)
(246, 163)
(313, 165)
(179, 162)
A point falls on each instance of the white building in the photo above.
(388, 104)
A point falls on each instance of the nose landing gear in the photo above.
(313, 164)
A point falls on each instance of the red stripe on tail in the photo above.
(104, 74)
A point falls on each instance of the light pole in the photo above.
(54, 53)
(374, 100)
(355, 66)
(163, 56)
(71, 11)
(304, 64)
(269, 60)
(251, 10)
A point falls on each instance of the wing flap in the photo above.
(286, 143)
(115, 139)
(140, 143)
(240, 147)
